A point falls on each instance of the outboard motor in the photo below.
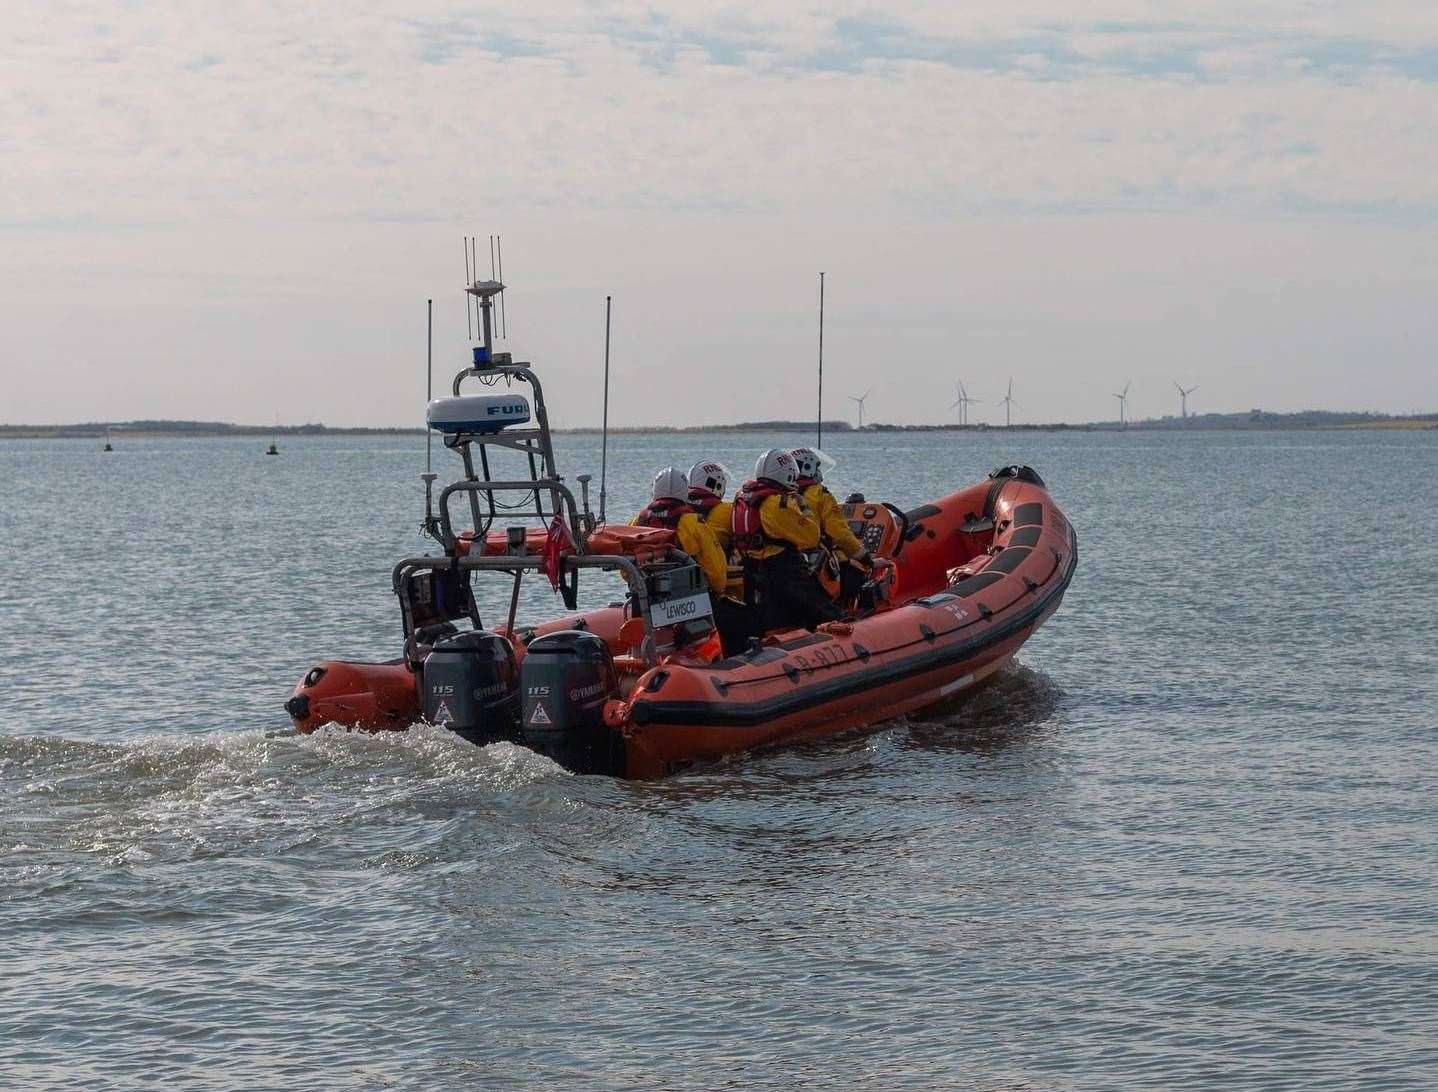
(471, 686)
(421, 642)
(567, 677)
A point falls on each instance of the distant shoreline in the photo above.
(1313, 420)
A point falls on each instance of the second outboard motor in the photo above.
(566, 678)
(471, 686)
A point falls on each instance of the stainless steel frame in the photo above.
(545, 482)
(514, 564)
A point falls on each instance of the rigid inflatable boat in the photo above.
(638, 688)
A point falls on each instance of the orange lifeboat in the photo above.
(978, 572)
(972, 575)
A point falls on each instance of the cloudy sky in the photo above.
(231, 211)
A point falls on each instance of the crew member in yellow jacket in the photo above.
(708, 482)
(670, 508)
(852, 562)
(772, 528)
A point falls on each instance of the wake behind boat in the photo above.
(639, 689)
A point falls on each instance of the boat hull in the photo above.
(977, 573)
(373, 697)
(680, 738)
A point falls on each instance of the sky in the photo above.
(237, 211)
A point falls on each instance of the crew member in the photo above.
(671, 509)
(772, 527)
(708, 482)
(851, 557)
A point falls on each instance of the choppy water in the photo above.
(1188, 843)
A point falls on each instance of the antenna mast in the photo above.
(820, 441)
(474, 268)
(429, 475)
(468, 280)
(604, 442)
(503, 307)
(429, 377)
(496, 272)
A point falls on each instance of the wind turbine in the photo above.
(1123, 404)
(1183, 399)
(860, 400)
(962, 402)
(1007, 401)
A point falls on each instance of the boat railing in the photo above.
(534, 442)
(554, 486)
(517, 564)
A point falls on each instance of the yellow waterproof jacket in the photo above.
(720, 519)
(787, 520)
(696, 538)
(831, 520)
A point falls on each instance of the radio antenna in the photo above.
(429, 474)
(604, 442)
(428, 378)
(468, 280)
(503, 308)
(494, 276)
(820, 441)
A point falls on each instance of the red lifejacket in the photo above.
(745, 522)
(664, 512)
(703, 501)
(804, 483)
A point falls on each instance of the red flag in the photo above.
(558, 544)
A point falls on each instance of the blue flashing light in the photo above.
(481, 356)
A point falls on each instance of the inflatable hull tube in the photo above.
(943, 640)
(373, 697)
(977, 573)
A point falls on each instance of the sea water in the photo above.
(1189, 840)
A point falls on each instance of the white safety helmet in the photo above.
(710, 477)
(812, 462)
(671, 484)
(778, 466)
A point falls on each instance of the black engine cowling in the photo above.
(566, 678)
(471, 686)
